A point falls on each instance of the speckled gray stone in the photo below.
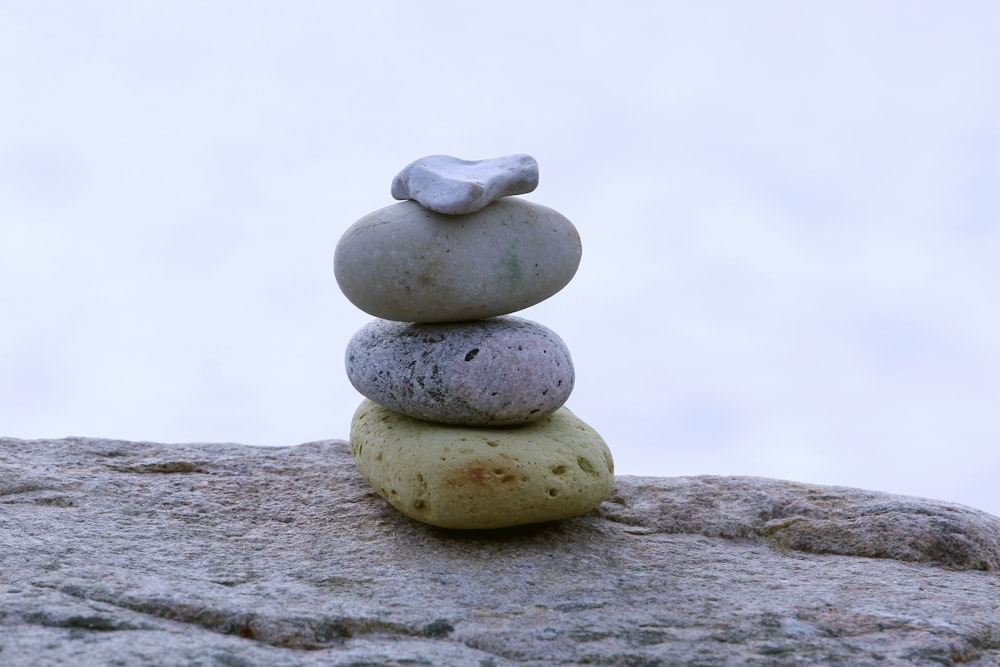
(496, 372)
(406, 263)
(449, 185)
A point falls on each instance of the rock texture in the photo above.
(139, 553)
(497, 372)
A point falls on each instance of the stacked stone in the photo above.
(463, 425)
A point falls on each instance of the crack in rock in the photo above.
(77, 622)
(295, 632)
(162, 467)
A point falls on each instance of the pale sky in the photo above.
(790, 215)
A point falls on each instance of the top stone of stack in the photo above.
(462, 248)
(446, 184)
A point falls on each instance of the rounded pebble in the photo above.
(466, 477)
(497, 372)
(406, 263)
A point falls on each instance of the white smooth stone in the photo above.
(449, 185)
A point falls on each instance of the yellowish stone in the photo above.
(474, 477)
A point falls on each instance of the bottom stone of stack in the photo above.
(474, 477)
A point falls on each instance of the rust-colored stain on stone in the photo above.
(479, 475)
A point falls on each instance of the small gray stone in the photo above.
(497, 372)
(406, 263)
(449, 185)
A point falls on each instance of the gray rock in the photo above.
(409, 264)
(139, 554)
(449, 185)
(497, 372)
(817, 519)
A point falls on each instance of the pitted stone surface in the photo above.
(497, 372)
(138, 553)
(409, 264)
(452, 186)
(464, 477)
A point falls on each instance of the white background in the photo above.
(790, 214)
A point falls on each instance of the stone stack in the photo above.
(463, 425)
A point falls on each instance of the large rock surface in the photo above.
(146, 554)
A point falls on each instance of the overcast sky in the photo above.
(790, 215)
